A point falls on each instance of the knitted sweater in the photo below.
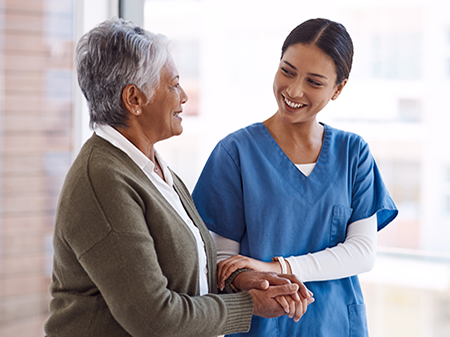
(125, 263)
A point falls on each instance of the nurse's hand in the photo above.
(265, 302)
(297, 309)
(294, 304)
(226, 267)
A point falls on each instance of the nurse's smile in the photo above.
(293, 105)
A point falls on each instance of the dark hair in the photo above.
(330, 37)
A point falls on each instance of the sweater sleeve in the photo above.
(140, 301)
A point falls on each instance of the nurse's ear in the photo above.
(338, 89)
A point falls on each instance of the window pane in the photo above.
(36, 76)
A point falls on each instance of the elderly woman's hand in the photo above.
(265, 303)
(295, 304)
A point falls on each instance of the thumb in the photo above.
(263, 285)
(259, 284)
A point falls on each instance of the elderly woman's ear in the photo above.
(133, 99)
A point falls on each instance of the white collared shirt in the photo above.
(164, 187)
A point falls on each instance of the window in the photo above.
(396, 56)
(186, 54)
(36, 76)
(409, 110)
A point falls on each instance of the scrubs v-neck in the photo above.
(251, 192)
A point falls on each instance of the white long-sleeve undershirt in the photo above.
(354, 256)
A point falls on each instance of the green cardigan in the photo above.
(125, 263)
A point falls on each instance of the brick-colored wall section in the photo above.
(36, 79)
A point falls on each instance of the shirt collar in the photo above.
(118, 140)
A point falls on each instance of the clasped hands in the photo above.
(273, 294)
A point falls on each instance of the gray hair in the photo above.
(111, 56)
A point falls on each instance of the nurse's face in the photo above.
(304, 83)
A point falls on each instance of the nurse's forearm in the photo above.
(225, 247)
(354, 256)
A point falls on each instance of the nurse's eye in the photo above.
(315, 84)
(287, 72)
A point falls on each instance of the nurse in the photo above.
(294, 195)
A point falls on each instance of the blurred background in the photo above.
(227, 53)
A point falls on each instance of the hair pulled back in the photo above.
(330, 37)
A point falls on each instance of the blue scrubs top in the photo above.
(251, 192)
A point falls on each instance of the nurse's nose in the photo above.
(295, 90)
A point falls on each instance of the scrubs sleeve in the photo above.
(369, 194)
(218, 194)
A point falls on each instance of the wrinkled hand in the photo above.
(265, 303)
(294, 304)
(259, 280)
(226, 267)
(296, 309)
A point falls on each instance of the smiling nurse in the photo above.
(297, 196)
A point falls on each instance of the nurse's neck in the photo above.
(301, 142)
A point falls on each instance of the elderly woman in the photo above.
(132, 255)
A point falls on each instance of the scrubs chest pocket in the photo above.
(341, 215)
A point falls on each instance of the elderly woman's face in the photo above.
(162, 113)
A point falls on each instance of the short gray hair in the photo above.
(111, 56)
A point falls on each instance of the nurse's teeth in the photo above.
(292, 104)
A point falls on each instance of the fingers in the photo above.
(275, 279)
(277, 301)
(298, 311)
(284, 303)
(294, 309)
(296, 297)
(226, 267)
(304, 292)
(252, 283)
(285, 289)
(260, 280)
(310, 300)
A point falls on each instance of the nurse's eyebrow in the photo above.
(310, 74)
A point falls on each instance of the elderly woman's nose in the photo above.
(184, 96)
